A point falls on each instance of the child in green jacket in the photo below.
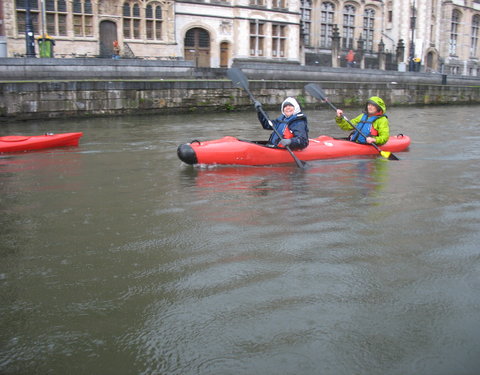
(372, 124)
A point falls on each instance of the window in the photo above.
(474, 41)
(131, 21)
(348, 26)
(21, 6)
(257, 3)
(326, 24)
(368, 24)
(257, 37)
(278, 4)
(82, 18)
(306, 11)
(56, 17)
(390, 11)
(454, 32)
(197, 37)
(278, 40)
(153, 15)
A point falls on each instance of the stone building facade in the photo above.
(443, 34)
(210, 32)
(436, 35)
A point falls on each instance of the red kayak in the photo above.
(16, 143)
(230, 150)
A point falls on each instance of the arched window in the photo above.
(368, 25)
(326, 24)
(82, 18)
(348, 26)
(131, 20)
(197, 37)
(153, 17)
(474, 41)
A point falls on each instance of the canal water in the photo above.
(117, 258)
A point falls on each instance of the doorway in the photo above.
(224, 54)
(431, 63)
(108, 35)
(197, 47)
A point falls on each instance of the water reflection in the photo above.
(247, 190)
(366, 174)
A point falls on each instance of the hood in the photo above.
(378, 102)
(295, 104)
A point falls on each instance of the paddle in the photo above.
(239, 80)
(315, 90)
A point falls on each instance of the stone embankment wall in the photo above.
(52, 88)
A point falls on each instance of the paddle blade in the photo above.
(300, 163)
(315, 91)
(392, 157)
(388, 155)
(238, 78)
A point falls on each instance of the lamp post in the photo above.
(413, 19)
(29, 33)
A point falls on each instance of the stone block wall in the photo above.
(33, 100)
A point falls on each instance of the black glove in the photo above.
(285, 142)
(257, 105)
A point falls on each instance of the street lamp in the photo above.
(413, 20)
(29, 33)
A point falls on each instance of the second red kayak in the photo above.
(17, 143)
(230, 150)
